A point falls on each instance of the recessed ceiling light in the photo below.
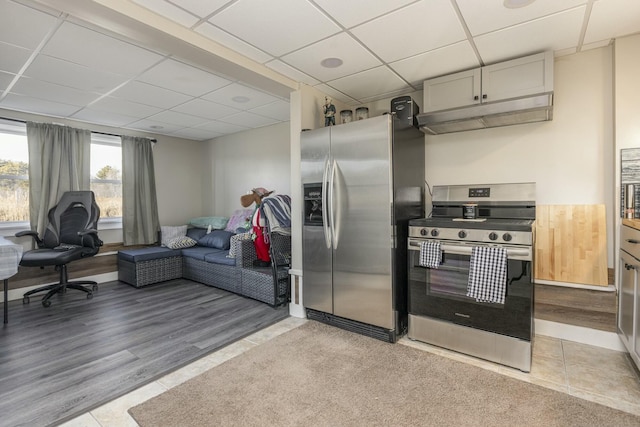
(156, 127)
(331, 62)
(515, 4)
(240, 99)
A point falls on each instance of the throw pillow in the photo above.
(196, 233)
(171, 232)
(216, 222)
(219, 239)
(181, 242)
(241, 218)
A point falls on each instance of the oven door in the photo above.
(441, 293)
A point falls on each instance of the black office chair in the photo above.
(70, 235)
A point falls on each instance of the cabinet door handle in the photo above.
(628, 267)
(475, 98)
(484, 96)
(633, 241)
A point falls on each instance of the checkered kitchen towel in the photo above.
(488, 274)
(430, 254)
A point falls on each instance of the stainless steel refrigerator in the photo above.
(362, 182)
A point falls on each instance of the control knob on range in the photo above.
(493, 236)
(434, 232)
(462, 234)
(507, 237)
(423, 232)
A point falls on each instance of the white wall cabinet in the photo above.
(529, 75)
(629, 292)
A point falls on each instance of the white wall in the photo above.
(242, 161)
(570, 158)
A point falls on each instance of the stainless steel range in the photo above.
(477, 296)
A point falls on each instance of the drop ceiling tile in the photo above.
(37, 106)
(240, 97)
(53, 92)
(169, 11)
(491, 15)
(148, 94)
(182, 78)
(279, 110)
(414, 29)
(12, 58)
(103, 117)
(554, 32)
(176, 118)
(292, 73)
(15, 19)
(450, 59)
(336, 94)
(154, 126)
(354, 12)
(217, 35)
(205, 109)
(5, 80)
(249, 120)
(122, 106)
(65, 73)
(342, 46)
(221, 128)
(612, 18)
(92, 49)
(201, 8)
(369, 83)
(195, 134)
(276, 29)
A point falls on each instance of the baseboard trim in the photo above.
(15, 294)
(579, 334)
(608, 288)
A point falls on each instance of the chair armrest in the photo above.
(31, 233)
(245, 254)
(94, 241)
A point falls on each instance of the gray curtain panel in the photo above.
(140, 222)
(59, 161)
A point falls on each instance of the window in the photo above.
(14, 172)
(106, 174)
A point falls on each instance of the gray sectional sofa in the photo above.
(208, 262)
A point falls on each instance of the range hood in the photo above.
(530, 109)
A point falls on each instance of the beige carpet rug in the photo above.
(317, 375)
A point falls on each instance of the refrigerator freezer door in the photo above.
(316, 250)
(362, 260)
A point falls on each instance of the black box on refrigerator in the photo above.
(405, 109)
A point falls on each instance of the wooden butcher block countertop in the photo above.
(633, 223)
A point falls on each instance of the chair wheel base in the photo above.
(46, 303)
(25, 300)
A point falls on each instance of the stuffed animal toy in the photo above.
(258, 225)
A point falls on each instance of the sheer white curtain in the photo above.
(140, 222)
(59, 161)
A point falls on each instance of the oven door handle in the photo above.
(466, 250)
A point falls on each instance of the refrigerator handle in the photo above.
(325, 205)
(335, 204)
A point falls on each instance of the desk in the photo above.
(10, 256)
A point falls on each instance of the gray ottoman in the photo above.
(142, 267)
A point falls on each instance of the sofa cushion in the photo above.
(181, 242)
(198, 252)
(218, 239)
(146, 254)
(215, 222)
(219, 257)
(171, 232)
(196, 233)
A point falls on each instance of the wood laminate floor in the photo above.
(77, 354)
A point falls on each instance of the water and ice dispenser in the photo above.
(313, 204)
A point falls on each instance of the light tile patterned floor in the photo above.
(592, 373)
